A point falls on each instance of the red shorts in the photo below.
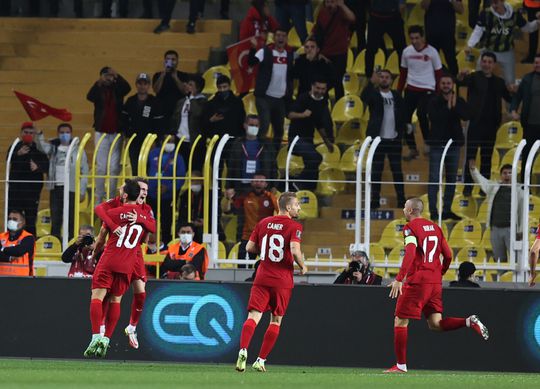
(139, 271)
(116, 283)
(419, 298)
(265, 298)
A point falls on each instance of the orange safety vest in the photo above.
(21, 266)
(188, 256)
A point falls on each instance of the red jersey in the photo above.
(424, 245)
(273, 236)
(121, 252)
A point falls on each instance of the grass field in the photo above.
(23, 373)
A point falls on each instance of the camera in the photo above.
(87, 240)
(355, 266)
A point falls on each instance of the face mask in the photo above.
(252, 130)
(186, 238)
(12, 225)
(225, 94)
(169, 147)
(317, 98)
(196, 188)
(27, 139)
(65, 137)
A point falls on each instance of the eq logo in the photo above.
(185, 328)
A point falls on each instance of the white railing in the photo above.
(358, 198)
(515, 245)
(524, 257)
(67, 171)
(214, 243)
(288, 162)
(367, 201)
(8, 168)
(441, 168)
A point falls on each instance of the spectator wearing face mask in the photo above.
(185, 251)
(28, 165)
(17, 247)
(167, 164)
(56, 149)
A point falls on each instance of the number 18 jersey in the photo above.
(273, 236)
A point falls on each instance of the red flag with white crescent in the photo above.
(242, 74)
(37, 110)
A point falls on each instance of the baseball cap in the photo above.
(27, 125)
(143, 77)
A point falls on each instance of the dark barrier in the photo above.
(325, 325)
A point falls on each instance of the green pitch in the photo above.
(23, 373)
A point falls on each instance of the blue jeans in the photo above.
(293, 12)
(450, 170)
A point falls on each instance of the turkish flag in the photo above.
(242, 74)
(37, 110)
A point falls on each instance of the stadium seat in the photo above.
(350, 132)
(249, 104)
(467, 232)
(468, 61)
(450, 275)
(392, 63)
(509, 135)
(349, 159)
(359, 66)
(230, 223)
(396, 254)
(462, 33)
(534, 204)
(350, 61)
(532, 228)
(443, 59)
(351, 83)
(43, 222)
(293, 38)
(211, 75)
(486, 237)
(48, 248)
(507, 277)
(309, 204)
(347, 108)
(233, 254)
(508, 159)
(475, 254)
(376, 253)
(330, 159)
(392, 234)
(416, 16)
(464, 206)
(388, 43)
(317, 139)
(297, 163)
(331, 182)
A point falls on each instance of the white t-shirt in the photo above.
(60, 163)
(278, 80)
(421, 66)
(388, 127)
(183, 129)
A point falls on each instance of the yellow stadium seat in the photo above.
(392, 63)
(297, 163)
(396, 254)
(317, 138)
(534, 204)
(416, 16)
(486, 237)
(392, 234)
(351, 83)
(293, 38)
(353, 42)
(331, 181)
(508, 159)
(211, 75)
(346, 108)
(349, 159)
(230, 227)
(350, 132)
(350, 61)
(233, 254)
(466, 232)
(468, 61)
(48, 248)
(507, 277)
(249, 104)
(330, 159)
(388, 43)
(462, 33)
(450, 275)
(509, 135)
(376, 253)
(359, 66)
(309, 204)
(532, 228)
(443, 59)
(43, 222)
(464, 206)
(475, 254)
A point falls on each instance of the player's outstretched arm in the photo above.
(296, 252)
(101, 211)
(533, 258)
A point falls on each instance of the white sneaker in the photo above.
(259, 365)
(132, 336)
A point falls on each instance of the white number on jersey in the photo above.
(126, 240)
(276, 244)
(435, 240)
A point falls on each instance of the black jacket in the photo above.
(265, 71)
(306, 72)
(464, 284)
(233, 113)
(20, 166)
(445, 124)
(373, 100)
(236, 162)
(142, 117)
(96, 95)
(524, 94)
(320, 118)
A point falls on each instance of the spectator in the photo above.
(17, 247)
(465, 276)
(169, 84)
(311, 66)
(188, 272)
(166, 170)
(528, 96)
(57, 150)
(360, 9)
(446, 110)
(359, 270)
(474, 9)
(123, 8)
(224, 112)
(196, 10)
(333, 32)
(248, 155)
(251, 208)
(440, 22)
(186, 250)
(485, 92)
(385, 120)
(188, 120)
(420, 68)
(28, 165)
(532, 7)
(107, 94)
(495, 31)
(141, 115)
(295, 11)
(309, 112)
(258, 21)
(273, 88)
(81, 254)
(498, 211)
(384, 18)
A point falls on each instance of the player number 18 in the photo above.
(435, 240)
(275, 249)
(126, 240)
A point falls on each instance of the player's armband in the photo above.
(411, 239)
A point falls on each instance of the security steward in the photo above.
(17, 247)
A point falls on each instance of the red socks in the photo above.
(112, 318)
(96, 313)
(137, 308)
(105, 309)
(247, 333)
(400, 344)
(269, 340)
(452, 323)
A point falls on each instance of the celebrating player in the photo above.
(114, 270)
(277, 241)
(422, 292)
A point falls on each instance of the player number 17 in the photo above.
(435, 240)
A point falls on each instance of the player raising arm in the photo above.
(277, 241)
(422, 291)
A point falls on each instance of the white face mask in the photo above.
(169, 147)
(316, 98)
(186, 238)
(196, 188)
(12, 225)
(252, 130)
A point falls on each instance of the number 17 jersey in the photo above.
(273, 236)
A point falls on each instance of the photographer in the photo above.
(359, 270)
(80, 254)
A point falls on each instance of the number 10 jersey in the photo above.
(273, 236)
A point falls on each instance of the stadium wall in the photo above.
(325, 326)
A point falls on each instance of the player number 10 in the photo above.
(275, 252)
(126, 240)
(435, 240)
